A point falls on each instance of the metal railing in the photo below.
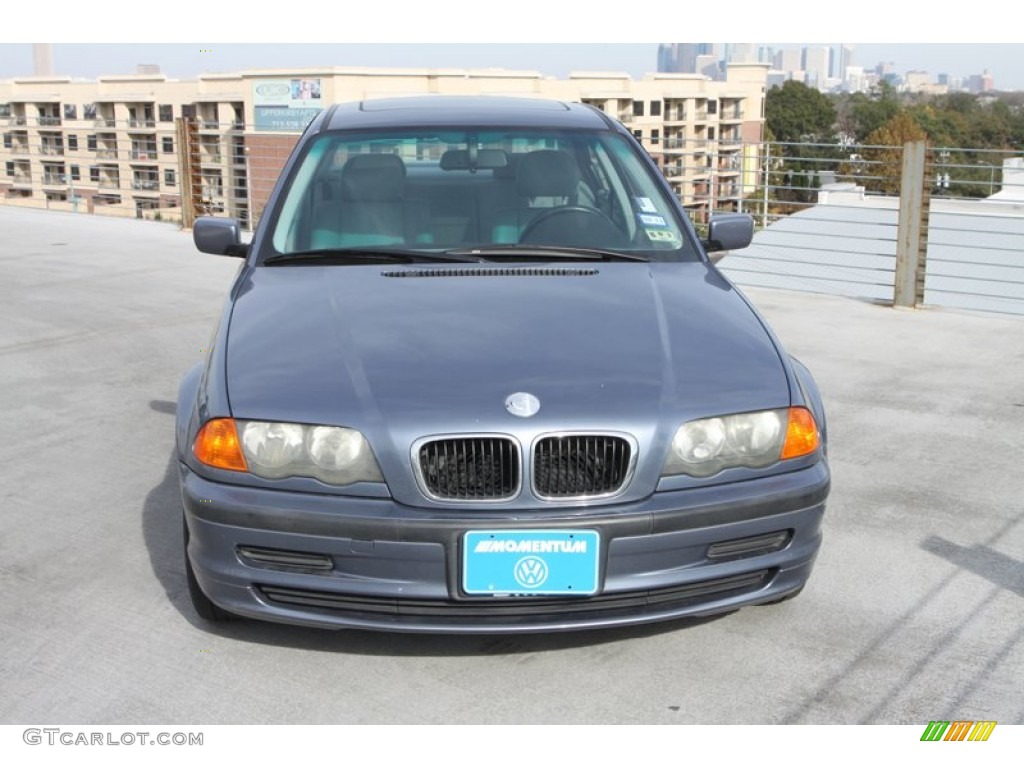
(864, 221)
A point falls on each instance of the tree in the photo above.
(796, 113)
(869, 114)
(883, 152)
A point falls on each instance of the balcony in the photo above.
(22, 180)
(109, 184)
(48, 120)
(136, 123)
(146, 185)
(104, 122)
(209, 193)
(51, 149)
(17, 120)
(144, 155)
(54, 180)
(19, 149)
(107, 153)
(210, 158)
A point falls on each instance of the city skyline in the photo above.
(186, 61)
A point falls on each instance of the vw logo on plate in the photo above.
(531, 572)
(522, 404)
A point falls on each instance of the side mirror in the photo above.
(729, 232)
(221, 237)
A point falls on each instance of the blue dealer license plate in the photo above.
(530, 562)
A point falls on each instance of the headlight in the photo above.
(707, 446)
(335, 455)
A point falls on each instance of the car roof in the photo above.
(477, 111)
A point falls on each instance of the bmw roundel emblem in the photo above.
(522, 404)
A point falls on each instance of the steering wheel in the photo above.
(573, 225)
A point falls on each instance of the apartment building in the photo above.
(111, 145)
(141, 144)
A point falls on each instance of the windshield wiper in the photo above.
(546, 252)
(365, 255)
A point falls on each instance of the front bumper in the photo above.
(370, 563)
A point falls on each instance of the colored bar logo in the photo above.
(958, 730)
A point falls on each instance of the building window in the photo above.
(8, 141)
(169, 177)
(712, 107)
(638, 109)
(89, 111)
(5, 110)
(76, 174)
(94, 173)
(166, 113)
(655, 134)
(72, 143)
(70, 112)
(711, 134)
(639, 135)
(655, 109)
(168, 145)
(10, 167)
(90, 143)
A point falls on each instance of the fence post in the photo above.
(912, 235)
(189, 176)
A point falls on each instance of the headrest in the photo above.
(547, 173)
(373, 178)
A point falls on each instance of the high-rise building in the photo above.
(842, 57)
(682, 57)
(816, 66)
(788, 60)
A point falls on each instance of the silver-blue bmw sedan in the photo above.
(478, 374)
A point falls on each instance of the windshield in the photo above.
(451, 190)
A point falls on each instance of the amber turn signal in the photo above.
(217, 446)
(801, 434)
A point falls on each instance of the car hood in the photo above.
(404, 352)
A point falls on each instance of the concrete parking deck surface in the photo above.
(915, 611)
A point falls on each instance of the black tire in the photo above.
(205, 607)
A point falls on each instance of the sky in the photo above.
(538, 35)
(184, 60)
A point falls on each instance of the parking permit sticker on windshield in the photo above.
(652, 220)
(664, 235)
(645, 205)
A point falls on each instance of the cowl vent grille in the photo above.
(493, 272)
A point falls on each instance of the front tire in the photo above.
(205, 607)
